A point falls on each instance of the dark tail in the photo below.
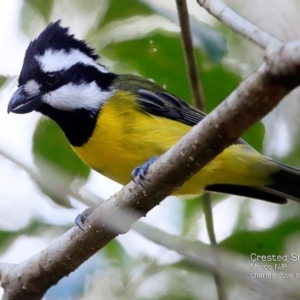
(286, 185)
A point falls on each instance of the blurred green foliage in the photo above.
(156, 55)
(50, 143)
(44, 8)
(2, 80)
(122, 10)
(265, 242)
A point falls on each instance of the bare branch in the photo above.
(234, 266)
(252, 100)
(197, 90)
(59, 187)
(207, 209)
(239, 24)
(199, 102)
(4, 268)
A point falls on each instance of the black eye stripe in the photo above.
(79, 74)
(51, 78)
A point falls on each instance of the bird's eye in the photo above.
(51, 78)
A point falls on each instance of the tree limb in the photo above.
(199, 102)
(234, 267)
(253, 99)
(238, 24)
(59, 187)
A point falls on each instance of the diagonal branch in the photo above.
(199, 102)
(60, 187)
(238, 24)
(234, 266)
(252, 100)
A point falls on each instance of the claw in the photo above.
(79, 221)
(138, 175)
(82, 219)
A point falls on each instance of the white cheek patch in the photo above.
(31, 87)
(56, 60)
(70, 97)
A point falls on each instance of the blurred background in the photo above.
(43, 186)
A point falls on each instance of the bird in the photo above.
(119, 124)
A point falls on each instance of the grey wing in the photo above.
(164, 104)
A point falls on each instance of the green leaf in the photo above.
(159, 56)
(191, 213)
(123, 10)
(255, 136)
(153, 57)
(218, 82)
(204, 37)
(115, 252)
(6, 238)
(50, 145)
(2, 80)
(43, 8)
(270, 241)
(34, 228)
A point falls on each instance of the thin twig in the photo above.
(260, 93)
(239, 24)
(235, 267)
(186, 36)
(60, 187)
(199, 102)
(201, 256)
(207, 209)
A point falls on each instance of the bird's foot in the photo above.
(82, 219)
(138, 175)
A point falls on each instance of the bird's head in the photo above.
(60, 72)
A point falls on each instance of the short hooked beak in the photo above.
(21, 103)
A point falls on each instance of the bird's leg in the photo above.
(138, 175)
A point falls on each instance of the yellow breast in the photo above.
(125, 137)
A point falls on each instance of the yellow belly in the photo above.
(125, 137)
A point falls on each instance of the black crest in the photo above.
(56, 37)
